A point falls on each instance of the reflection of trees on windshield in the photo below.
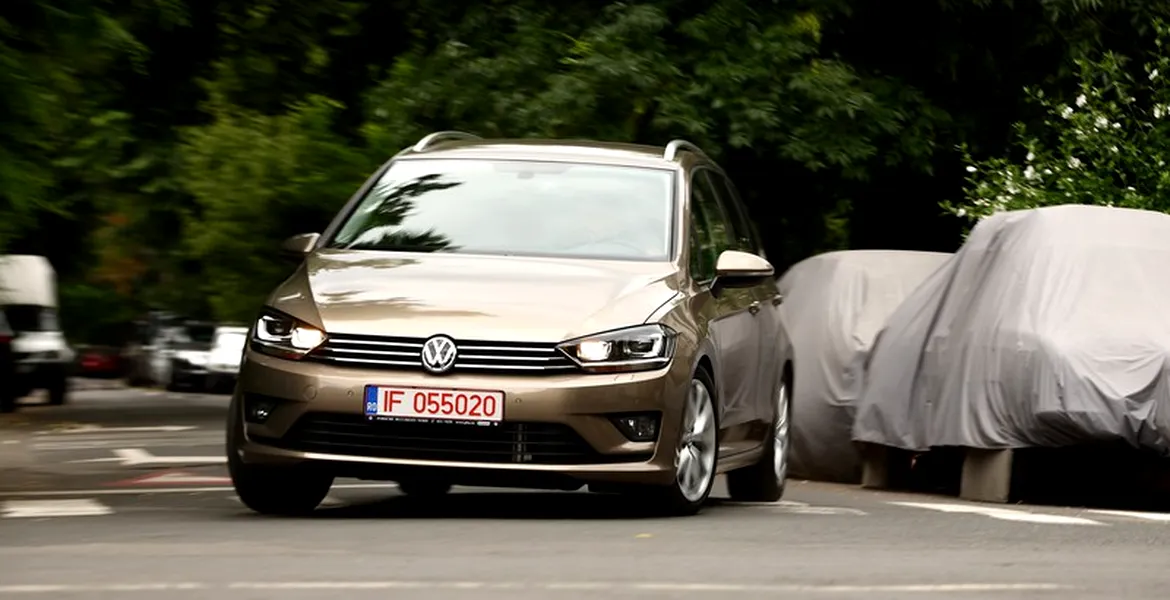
(379, 228)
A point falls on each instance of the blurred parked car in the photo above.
(140, 353)
(227, 350)
(834, 306)
(185, 356)
(28, 298)
(171, 352)
(104, 362)
(1048, 329)
(522, 313)
(7, 368)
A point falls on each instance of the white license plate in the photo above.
(433, 404)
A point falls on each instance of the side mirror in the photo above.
(736, 269)
(299, 245)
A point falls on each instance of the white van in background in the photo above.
(28, 297)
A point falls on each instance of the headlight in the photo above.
(640, 348)
(283, 336)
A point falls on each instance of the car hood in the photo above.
(472, 297)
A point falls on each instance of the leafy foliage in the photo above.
(158, 150)
(257, 179)
(1108, 146)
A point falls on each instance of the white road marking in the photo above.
(15, 509)
(122, 442)
(100, 429)
(1149, 516)
(1002, 513)
(135, 457)
(182, 490)
(696, 588)
(175, 478)
(797, 508)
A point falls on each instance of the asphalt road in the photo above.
(123, 494)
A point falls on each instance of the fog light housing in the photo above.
(639, 427)
(257, 409)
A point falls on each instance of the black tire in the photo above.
(669, 499)
(59, 389)
(424, 488)
(7, 400)
(760, 482)
(289, 491)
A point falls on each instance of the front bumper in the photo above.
(555, 428)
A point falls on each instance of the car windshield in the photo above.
(27, 318)
(523, 208)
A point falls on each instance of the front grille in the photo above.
(397, 353)
(506, 442)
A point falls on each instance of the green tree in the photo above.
(745, 80)
(257, 179)
(1109, 145)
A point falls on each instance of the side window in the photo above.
(710, 234)
(746, 237)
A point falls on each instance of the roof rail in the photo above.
(439, 136)
(675, 145)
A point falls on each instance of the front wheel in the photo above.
(696, 453)
(278, 490)
(765, 480)
(58, 389)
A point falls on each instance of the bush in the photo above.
(1108, 146)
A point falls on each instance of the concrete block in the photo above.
(987, 475)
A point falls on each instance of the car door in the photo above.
(731, 322)
(765, 298)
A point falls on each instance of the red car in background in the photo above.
(104, 362)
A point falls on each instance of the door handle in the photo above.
(777, 300)
(754, 307)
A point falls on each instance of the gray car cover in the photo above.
(1050, 327)
(834, 305)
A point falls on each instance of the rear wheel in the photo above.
(696, 453)
(765, 480)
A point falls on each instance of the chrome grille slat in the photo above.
(377, 352)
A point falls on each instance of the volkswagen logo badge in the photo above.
(438, 354)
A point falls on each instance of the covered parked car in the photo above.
(528, 313)
(834, 306)
(1049, 328)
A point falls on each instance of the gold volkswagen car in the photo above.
(520, 313)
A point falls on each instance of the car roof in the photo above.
(459, 145)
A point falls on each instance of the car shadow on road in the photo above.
(500, 505)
